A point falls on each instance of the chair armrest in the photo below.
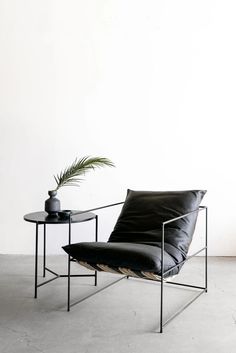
(200, 208)
(97, 208)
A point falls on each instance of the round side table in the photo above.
(42, 218)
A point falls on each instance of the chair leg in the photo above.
(206, 269)
(96, 278)
(68, 285)
(161, 306)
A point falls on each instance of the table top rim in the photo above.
(34, 217)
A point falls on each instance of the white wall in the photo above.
(149, 84)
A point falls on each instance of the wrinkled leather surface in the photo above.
(144, 211)
(138, 257)
(135, 242)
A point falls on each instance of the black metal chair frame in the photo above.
(164, 275)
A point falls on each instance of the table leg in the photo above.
(68, 283)
(96, 239)
(68, 288)
(36, 262)
(44, 250)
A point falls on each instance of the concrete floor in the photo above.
(123, 318)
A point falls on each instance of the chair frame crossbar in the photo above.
(164, 274)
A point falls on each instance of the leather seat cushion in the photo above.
(137, 257)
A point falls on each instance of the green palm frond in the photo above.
(71, 176)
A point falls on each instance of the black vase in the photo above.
(52, 205)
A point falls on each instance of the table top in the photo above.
(43, 218)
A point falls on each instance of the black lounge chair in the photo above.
(150, 240)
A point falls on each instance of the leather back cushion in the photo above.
(143, 212)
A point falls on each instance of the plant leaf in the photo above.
(70, 176)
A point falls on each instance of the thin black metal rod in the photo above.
(57, 275)
(96, 228)
(54, 273)
(200, 208)
(36, 261)
(97, 291)
(206, 246)
(184, 215)
(44, 249)
(183, 308)
(182, 262)
(68, 283)
(49, 280)
(162, 278)
(185, 285)
(96, 239)
(97, 208)
(76, 275)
